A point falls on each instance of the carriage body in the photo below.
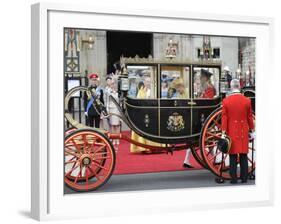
(169, 120)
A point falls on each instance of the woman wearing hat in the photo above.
(208, 91)
(181, 91)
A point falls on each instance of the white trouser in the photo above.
(187, 156)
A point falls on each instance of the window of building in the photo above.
(216, 52)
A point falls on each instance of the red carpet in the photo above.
(129, 163)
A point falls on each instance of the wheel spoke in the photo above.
(214, 156)
(210, 145)
(84, 142)
(99, 153)
(87, 177)
(100, 158)
(222, 162)
(70, 161)
(99, 165)
(72, 169)
(79, 174)
(70, 153)
(95, 173)
(99, 149)
(69, 147)
(93, 143)
(217, 124)
(75, 144)
(213, 135)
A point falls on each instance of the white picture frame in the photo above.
(48, 200)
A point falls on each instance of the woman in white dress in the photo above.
(114, 120)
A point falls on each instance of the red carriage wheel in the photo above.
(89, 160)
(70, 146)
(215, 160)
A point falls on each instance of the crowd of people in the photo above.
(105, 95)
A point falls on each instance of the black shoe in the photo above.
(233, 181)
(252, 176)
(219, 180)
(185, 165)
(244, 181)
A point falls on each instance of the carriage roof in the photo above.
(173, 61)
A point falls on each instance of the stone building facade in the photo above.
(232, 51)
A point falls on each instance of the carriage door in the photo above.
(205, 94)
(174, 91)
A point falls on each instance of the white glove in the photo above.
(86, 114)
(252, 135)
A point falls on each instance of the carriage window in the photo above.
(142, 81)
(206, 82)
(175, 82)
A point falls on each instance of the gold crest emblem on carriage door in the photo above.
(175, 122)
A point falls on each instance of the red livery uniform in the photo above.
(237, 120)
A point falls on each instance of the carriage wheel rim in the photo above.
(87, 183)
(211, 162)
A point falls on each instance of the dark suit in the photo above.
(93, 118)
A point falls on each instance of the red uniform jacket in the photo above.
(209, 93)
(237, 119)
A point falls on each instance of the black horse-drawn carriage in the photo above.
(177, 123)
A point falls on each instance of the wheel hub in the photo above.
(86, 160)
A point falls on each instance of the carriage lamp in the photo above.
(88, 43)
(124, 83)
(124, 80)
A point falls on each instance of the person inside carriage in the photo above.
(181, 92)
(208, 91)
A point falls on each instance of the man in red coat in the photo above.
(237, 122)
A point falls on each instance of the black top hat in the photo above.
(224, 144)
(206, 73)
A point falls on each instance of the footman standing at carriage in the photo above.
(237, 121)
(93, 117)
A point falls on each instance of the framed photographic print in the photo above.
(166, 117)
